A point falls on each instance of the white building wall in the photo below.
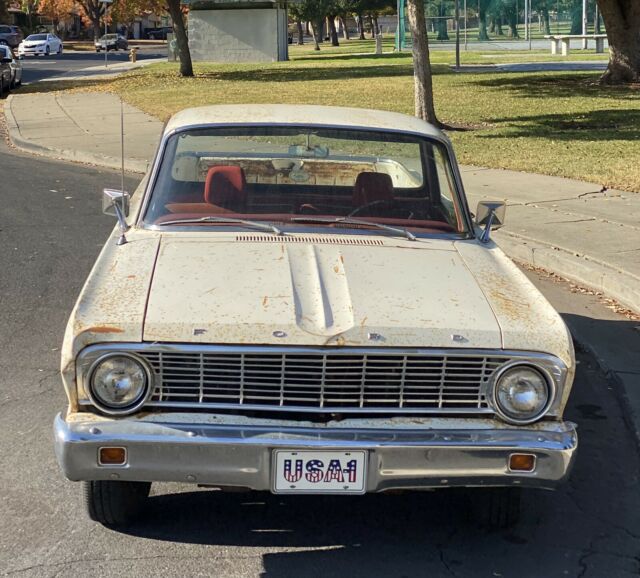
(236, 35)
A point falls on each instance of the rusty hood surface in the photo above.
(408, 294)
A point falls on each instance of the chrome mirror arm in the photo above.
(122, 222)
(486, 233)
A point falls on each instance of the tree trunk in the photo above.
(307, 27)
(443, 33)
(300, 32)
(546, 24)
(622, 22)
(373, 30)
(345, 30)
(4, 15)
(423, 86)
(333, 33)
(315, 33)
(576, 19)
(482, 22)
(499, 30)
(186, 67)
(376, 26)
(360, 21)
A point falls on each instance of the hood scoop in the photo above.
(306, 239)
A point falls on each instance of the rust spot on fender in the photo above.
(104, 329)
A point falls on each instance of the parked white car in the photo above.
(15, 64)
(41, 44)
(297, 299)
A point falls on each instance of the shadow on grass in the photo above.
(595, 125)
(554, 85)
(356, 56)
(309, 74)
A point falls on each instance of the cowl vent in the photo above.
(312, 240)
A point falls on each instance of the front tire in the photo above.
(47, 51)
(114, 503)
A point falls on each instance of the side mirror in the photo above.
(116, 203)
(491, 215)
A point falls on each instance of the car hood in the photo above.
(352, 292)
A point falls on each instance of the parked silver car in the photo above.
(15, 65)
(5, 74)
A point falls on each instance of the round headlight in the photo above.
(119, 383)
(522, 393)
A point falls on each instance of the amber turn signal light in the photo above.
(522, 462)
(112, 456)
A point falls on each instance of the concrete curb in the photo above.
(130, 164)
(615, 283)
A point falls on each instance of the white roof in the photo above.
(282, 114)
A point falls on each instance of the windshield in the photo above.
(297, 177)
(37, 37)
(108, 37)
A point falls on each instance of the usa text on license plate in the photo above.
(319, 472)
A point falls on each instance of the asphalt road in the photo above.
(51, 230)
(40, 67)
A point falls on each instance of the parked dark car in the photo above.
(5, 73)
(111, 42)
(159, 33)
(10, 35)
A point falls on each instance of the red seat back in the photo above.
(371, 187)
(225, 187)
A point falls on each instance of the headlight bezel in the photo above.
(551, 391)
(128, 409)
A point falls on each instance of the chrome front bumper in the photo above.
(232, 451)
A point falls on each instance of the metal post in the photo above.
(106, 49)
(529, 24)
(465, 24)
(584, 23)
(457, 34)
(526, 29)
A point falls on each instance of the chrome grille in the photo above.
(324, 381)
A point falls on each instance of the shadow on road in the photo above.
(591, 520)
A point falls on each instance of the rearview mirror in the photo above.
(112, 198)
(491, 215)
(116, 203)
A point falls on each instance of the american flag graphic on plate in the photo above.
(319, 472)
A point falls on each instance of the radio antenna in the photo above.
(122, 144)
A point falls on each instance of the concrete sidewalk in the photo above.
(572, 228)
(82, 128)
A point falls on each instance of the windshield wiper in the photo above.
(349, 221)
(254, 224)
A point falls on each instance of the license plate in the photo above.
(319, 472)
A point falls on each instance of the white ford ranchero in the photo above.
(297, 299)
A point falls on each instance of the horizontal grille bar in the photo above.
(324, 382)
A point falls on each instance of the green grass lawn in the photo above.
(553, 123)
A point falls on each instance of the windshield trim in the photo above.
(440, 139)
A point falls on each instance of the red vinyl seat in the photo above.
(225, 187)
(371, 187)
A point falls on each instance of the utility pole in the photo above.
(457, 34)
(465, 24)
(584, 23)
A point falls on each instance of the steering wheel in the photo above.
(390, 202)
(308, 209)
(355, 211)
